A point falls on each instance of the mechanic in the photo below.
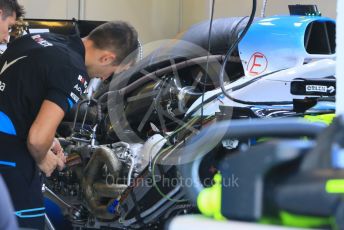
(41, 77)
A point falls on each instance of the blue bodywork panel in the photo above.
(277, 43)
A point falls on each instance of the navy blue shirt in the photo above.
(35, 68)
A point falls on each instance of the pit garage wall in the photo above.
(50, 9)
(159, 19)
(154, 19)
(194, 11)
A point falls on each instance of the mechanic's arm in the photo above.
(41, 136)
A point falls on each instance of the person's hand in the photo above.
(50, 162)
(56, 146)
(57, 150)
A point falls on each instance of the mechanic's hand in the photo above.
(50, 162)
(58, 150)
(56, 146)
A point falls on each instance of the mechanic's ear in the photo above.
(107, 58)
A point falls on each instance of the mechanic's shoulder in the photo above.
(60, 49)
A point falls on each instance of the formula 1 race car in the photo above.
(176, 83)
(123, 144)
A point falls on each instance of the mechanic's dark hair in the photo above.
(118, 37)
(10, 6)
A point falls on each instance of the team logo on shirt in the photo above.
(8, 64)
(83, 81)
(5, 67)
(74, 97)
(41, 40)
(79, 88)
